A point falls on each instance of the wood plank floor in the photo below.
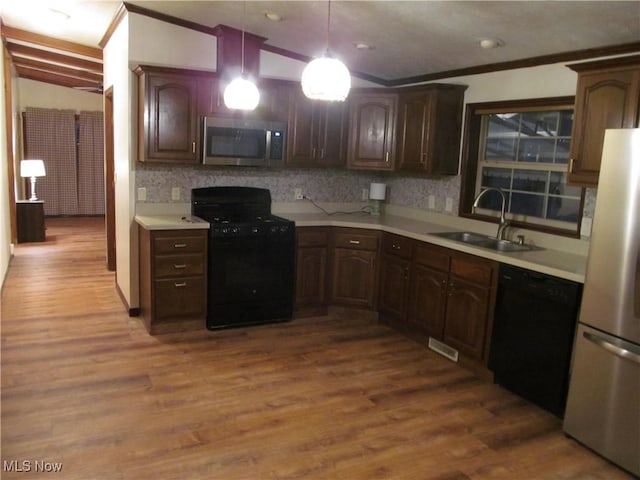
(83, 385)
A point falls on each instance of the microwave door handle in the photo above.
(267, 146)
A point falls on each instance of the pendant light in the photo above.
(242, 93)
(326, 78)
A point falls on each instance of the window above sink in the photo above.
(522, 148)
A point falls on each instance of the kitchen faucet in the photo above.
(504, 223)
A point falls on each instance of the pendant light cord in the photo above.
(244, 14)
(328, 22)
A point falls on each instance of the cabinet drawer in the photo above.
(432, 256)
(179, 244)
(473, 269)
(179, 265)
(396, 245)
(356, 239)
(311, 237)
(180, 297)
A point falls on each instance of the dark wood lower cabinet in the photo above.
(354, 274)
(419, 289)
(311, 271)
(173, 282)
(427, 303)
(466, 319)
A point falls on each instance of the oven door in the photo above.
(251, 280)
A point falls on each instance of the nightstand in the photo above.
(30, 220)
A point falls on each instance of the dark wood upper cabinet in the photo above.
(168, 116)
(317, 132)
(372, 130)
(429, 129)
(607, 96)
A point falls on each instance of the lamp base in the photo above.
(33, 197)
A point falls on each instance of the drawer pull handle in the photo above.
(354, 242)
(571, 160)
(193, 147)
(180, 266)
(179, 245)
(180, 285)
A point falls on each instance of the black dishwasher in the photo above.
(533, 330)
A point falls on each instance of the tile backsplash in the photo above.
(321, 185)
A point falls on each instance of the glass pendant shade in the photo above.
(326, 78)
(241, 94)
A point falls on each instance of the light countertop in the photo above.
(171, 222)
(551, 262)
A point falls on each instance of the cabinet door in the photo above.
(332, 137)
(604, 99)
(303, 132)
(311, 276)
(414, 124)
(394, 288)
(354, 277)
(372, 131)
(466, 317)
(427, 300)
(171, 118)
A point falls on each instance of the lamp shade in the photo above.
(241, 94)
(377, 191)
(326, 78)
(32, 168)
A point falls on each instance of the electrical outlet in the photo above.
(297, 194)
(142, 194)
(365, 194)
(448, 204)
(432, 202)
(175, 193)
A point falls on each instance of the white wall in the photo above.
(45, 95)
(118, 76)
(5, 203)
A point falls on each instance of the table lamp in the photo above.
(377, 193)
(32, 169)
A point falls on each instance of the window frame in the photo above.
(471, 149)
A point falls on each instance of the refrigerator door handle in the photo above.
(610, 347)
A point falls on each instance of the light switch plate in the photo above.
(432, 202)
(297, 193)
(175, 193)
(585, 227)
(142, 194)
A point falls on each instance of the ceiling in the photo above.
(409, 40)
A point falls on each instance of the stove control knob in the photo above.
(225, 230)
(273, 229)
(284, 228)
(254, 230)
(235, 230)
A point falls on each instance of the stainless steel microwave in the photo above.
(243, 142)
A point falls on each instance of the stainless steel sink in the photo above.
(484, 241)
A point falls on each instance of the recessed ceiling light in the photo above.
(363, 46)
(491, 43)
(274, 17)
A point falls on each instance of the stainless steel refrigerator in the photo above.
(603, 406)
